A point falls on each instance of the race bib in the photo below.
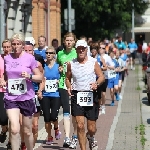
(85, 98)
(132, 50)
(111, 74)
(36, 101)
(17, 86)
(51, 86)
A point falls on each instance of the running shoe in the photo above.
(117, 97)
(92, 143)
(66, 142)
(103, 109)
(57, 134)
(74, 142)
(49, 141)
(23, 147)
(112, 104)
(3, 137)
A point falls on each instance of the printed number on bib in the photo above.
(111, 74)
(51, 86)
(85, 98)
(36, 101)
(17, 86)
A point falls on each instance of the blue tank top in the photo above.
(116, 66)
(124, 57)
(99, 60)
(36, 86)
(51, 74)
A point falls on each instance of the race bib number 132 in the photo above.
(85, 98)
(17, 86)
(51, 86)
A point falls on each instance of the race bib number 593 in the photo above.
(85, 98)
(17, 86)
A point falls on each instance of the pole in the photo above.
(133, 21)
(69, 16)
(49, 23)
(2, 24)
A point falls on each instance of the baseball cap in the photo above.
(29, 41)
(81, 43)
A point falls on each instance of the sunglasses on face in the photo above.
(49, 52)
(102, 47)
(16, 44)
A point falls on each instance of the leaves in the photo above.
(99, 18)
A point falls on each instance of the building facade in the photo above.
(34, 18)
(142, 27)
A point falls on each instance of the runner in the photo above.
(83, 70)
(113, 79)
(50, 99)
(102, 64)
(122, 68)
(19, 94)
(132, 47)
(103, 87)
(63, 57)
(42, 46)
(7, 48)
(29, 48)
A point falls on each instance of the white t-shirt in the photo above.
(108, 62)
(88, 52)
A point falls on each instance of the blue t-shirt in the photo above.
(36, 86)
(132, 47)
(40, 52)
(120, 45)
(51, 74)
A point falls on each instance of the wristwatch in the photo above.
(30, 76)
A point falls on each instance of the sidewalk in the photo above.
(115, 129)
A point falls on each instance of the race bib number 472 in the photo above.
(51, 86)
(17, 86)
(85, 98)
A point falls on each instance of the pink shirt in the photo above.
(1, 71)
(14, 68)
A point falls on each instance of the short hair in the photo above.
(18, 36)
(5, 41)
(42, 36)
(50, 47)
(70, 34)
(54, 40)
(83, 37)
(94, 46)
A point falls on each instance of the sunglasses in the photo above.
(49, 52)
(102, 48)
(16, 44)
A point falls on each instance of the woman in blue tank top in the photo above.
(50, 101)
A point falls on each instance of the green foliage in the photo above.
(100, 18)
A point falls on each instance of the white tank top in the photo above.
(83, 74)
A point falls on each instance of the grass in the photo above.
(141, 129)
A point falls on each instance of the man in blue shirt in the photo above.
(132, 47)
(42, 47)
(120, 44)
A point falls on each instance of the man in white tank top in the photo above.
(84, 99)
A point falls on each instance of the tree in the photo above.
(100, 18)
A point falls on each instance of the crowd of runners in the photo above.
(45, 78)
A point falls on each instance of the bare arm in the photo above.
(99, 73)
(104, 68)
(68, 76)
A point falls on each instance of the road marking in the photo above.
(115, 121)
(42, 135)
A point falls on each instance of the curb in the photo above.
(145, 109)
